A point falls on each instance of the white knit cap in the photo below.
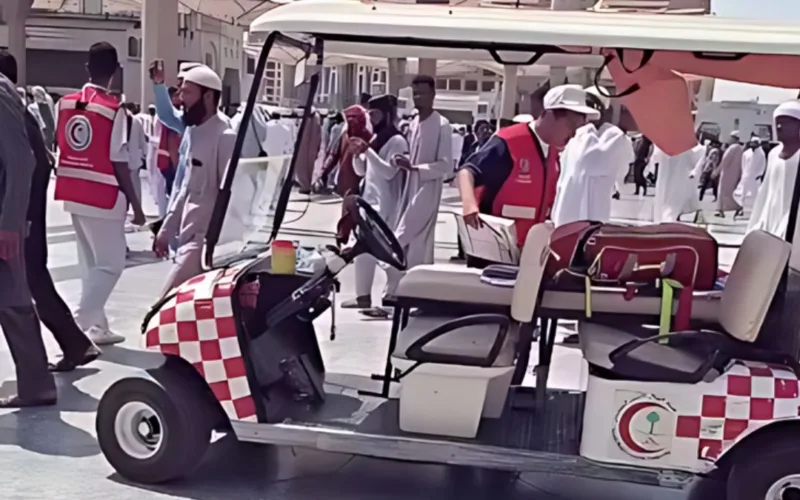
(184, 67)
(203, 76)
(790, 109)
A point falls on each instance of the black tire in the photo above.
(185, 430)
(753, 473)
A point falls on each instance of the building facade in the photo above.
(60, 32)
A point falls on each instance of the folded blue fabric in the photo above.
(501, 272)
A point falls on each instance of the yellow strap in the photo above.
(668, 287)
(588, 285)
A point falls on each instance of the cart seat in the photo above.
(472, 340)
(456, 371)
(452, 283)
(689, 356)
(611, 300)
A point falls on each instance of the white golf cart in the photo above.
(719, 404)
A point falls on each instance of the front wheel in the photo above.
(151, 435)
(771, 472)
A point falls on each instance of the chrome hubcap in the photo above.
(138, 430)
(786, 488)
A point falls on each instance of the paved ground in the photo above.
(53, 453)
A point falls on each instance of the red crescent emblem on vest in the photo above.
(78, 133)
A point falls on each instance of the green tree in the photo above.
(653, 418)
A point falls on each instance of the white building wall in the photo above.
(201, 38)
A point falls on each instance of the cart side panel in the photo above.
(682, 426)
(199, 326)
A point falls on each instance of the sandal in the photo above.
(64, 365)
(375, 313)
(20, 402)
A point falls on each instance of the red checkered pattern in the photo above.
(747, 397)
(198, 325)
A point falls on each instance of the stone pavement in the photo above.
(52, 453)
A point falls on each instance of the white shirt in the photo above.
(137, 145)
(118, 153)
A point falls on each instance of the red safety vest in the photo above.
(85, 173)
(528, 194)
(166, 145)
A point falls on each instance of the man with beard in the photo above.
(383, 182)
(167, 125)
(211, 145)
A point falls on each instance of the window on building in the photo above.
(441, 84)
(471, 85)
(209, 60)
(273, 83)
(251, 66)
(92, 7)
(454, 84)
(133, 48)
(482, 109)
(487, 86)
(488, 72)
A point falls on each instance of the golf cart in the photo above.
(716, 406)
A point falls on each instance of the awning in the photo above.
(232, 11)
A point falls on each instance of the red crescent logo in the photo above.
(78, 133)
(645, 428)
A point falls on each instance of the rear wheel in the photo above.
(769, 471)
(150, 432)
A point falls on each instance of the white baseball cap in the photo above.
(184, 67)
(203, 76)
(572, 98)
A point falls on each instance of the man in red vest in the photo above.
(94, 182)
(515, 174)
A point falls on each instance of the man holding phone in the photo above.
(211, 145)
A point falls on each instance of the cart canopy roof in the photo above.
(650, 57)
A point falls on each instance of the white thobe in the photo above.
(676, 190)
(383, 189)
(280, 139)
(256, 134)
(137, 152)
(430, 154)
(754, 161)
(774, 200)
(458, 145)
(591, 164)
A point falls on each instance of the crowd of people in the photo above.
(564, 163)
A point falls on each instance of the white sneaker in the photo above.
(101, 336)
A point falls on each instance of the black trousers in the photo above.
(24, 337)
(708, 182)
(52, 309)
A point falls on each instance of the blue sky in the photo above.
(758, 9)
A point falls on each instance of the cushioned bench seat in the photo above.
(652, 361)
(474, 340)
(458, 284)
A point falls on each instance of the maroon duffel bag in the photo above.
(616, 254)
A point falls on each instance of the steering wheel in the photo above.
(376, 236)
